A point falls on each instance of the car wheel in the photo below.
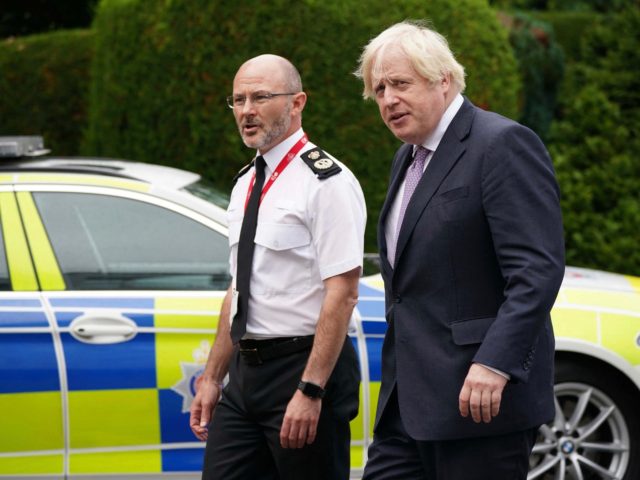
(596, 430)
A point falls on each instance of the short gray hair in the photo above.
(291, 76)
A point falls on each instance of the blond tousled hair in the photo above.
(426, 49)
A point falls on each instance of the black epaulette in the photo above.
(242, 171)
(320, 163)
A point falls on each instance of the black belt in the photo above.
(256, 352)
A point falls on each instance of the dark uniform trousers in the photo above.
(244, 434)
(394, 455)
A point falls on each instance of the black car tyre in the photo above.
(596, 431)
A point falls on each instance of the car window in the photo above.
(5, 283)
(205, 190)
(111, 243)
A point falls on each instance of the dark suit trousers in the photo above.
(244, 434)
(394, 455)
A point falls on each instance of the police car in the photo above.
(596, 430)
(112, 275)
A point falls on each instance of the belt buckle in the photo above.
(251, 355)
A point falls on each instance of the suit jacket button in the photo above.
(398, 299)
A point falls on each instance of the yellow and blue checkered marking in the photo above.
(32, 352)
(119, 395)
(130, 364)
(132, 382)
(29, 391)
(124, 395)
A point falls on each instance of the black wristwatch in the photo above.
(311, 390)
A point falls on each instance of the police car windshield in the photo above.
(205, 190)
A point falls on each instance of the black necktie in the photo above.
(245, 253)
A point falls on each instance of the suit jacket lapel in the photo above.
(449, 150)
(401, 162)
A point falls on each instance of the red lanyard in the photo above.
(284, 163)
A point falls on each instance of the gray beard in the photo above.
(277, 130)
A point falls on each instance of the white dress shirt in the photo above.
(431, 143)
(308, 230)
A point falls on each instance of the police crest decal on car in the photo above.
(191, 373)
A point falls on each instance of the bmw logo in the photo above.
(567, 447)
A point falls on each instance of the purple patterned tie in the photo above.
(411, 179)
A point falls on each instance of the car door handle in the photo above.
(103, 328)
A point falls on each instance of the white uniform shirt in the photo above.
(308, 230)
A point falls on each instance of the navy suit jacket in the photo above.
(479, 261)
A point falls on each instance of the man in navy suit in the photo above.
(472, 255)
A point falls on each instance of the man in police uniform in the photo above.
(293, 373)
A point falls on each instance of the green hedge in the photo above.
(599, 176)
(541, 64)
(570, 28)
(163, 68)
(44, 86)
(595, 145)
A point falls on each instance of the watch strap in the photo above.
(311, 390)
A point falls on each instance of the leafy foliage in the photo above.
(595, 146)
(162, 70)
(563, 5)
(44, 87)
(541, 64)
(27, 17)
(569, 29)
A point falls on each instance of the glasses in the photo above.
(258, 98)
